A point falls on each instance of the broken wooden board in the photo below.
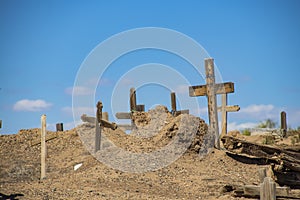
(285, 162)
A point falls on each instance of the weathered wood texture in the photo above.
(173, 101)
(284, 161)
(268, 189)
(132, 97)
(220, 88)
(59, 127)
(212, 100)
(43, 147)
(98, 126)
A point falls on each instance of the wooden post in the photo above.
(173, 101)
(59, 127)
(224, 114)
(43, 147)
(132, 100)
(212, 100)
(98, 126)
(283, 123)
(268, 189)
(140, 108)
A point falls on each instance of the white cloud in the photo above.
(78, 111)
(79, 91)
(31, 105)
(257, 108)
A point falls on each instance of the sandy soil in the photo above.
(189, 177)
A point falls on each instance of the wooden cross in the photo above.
(224, 109)
(174, 110)
(211, 89)
(101, 120)
(133, 108)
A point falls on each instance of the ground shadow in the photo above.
(10, 197)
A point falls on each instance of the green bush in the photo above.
(246, 132)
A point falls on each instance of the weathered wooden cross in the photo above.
(211, 89)
(101, 120)
(133, 108)
(174, 110)
(224, 109)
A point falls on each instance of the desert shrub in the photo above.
(269, 140)
(246, 132)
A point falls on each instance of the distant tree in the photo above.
(267, 124)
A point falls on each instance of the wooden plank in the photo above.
(254, 191)
(224, 114)
(212, 100)
(43, 147)
(268, 189)
(233, 108)
(173, 101)
(123, 115)
(179, 112)
(132, 97)
(220, 88)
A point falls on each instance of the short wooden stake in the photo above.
(173, 101)
(140, 108)
(0, 123)
(59, 127)
(283, 123)
(43, 147)
(132, 98)
(212, 100)
(262, 173)
(268, 189)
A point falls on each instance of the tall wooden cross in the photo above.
(133, 108)
(211, 89)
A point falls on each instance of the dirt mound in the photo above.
(188, 176)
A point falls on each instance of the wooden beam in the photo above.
(173, 101)
(220, 88)
(98, 126)
(132, 99)
(254, 191)
(212, 100)
(233, 108)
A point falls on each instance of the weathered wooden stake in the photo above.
(173, 101)
(43, 147)
(140, 108)
(283, 123)
(0, 123)
(59, 127)
(212, 100)
(268, 189)
(132, 99)
(98, 126)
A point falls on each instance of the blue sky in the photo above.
(255, 44)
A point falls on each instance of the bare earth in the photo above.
(189, 177)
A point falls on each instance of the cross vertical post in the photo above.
(212, 100)
(98, 126)
(224, 114)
